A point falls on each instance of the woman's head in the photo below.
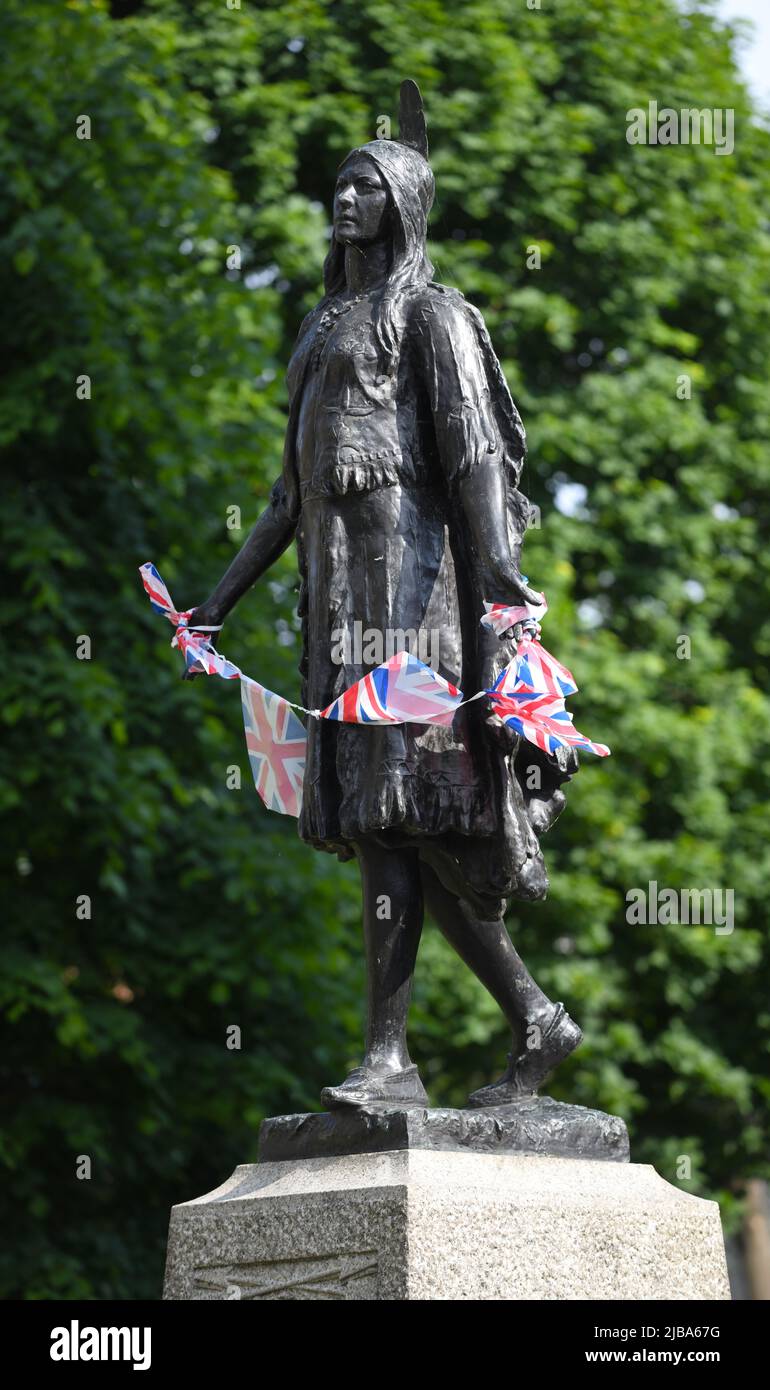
(384, 190)
(362, 203)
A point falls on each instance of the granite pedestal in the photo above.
(446, 1205)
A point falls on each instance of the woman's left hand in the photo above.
(513, 589)
(206, 615)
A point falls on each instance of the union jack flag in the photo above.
(502, 616)
(199, 655)
(277, 742)
(543, 720)
(534, 669)
(159, 595)
(403, 690)
(529, 694)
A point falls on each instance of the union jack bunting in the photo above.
(276, 741)
(529, 694)
(199, 655)
(502, 616)
(159, 595)
(543, 720)
(534, 669)
(403, 690)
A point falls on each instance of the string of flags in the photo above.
(528, 695)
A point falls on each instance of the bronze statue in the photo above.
(401, 464)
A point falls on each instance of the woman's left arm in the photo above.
(469, 441)
(484, 500)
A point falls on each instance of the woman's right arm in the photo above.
(272, 533)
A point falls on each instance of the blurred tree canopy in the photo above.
(215, 133)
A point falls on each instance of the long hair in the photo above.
(409, 180)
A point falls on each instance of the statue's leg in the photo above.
(487, 948)
(543, 1033)
(393, 915)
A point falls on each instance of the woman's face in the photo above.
(360, 202)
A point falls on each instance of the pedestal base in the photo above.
(534, 1125)
(420, 1224)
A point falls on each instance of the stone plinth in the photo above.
(426, 1224)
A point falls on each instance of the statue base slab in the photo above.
(425, 1224)
(535, 1125)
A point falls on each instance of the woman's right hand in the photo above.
(207, 615)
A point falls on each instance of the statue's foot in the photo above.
(367, 1085)
(526, 1072)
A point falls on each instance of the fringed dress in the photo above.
(371, 467)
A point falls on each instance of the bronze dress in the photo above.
(371, 467)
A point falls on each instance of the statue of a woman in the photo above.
(402, 457)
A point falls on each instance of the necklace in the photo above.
(328, 319)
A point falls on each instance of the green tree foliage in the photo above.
(169, 259)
